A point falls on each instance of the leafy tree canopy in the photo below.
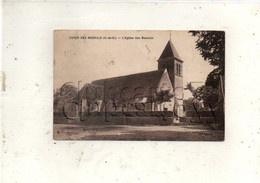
(64, 96)
(162, 96)
(213, 78)
(208, 95)
(192, 104)
(211, 45)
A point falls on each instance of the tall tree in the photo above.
(206, 94)
(211, 45)
(64, 96)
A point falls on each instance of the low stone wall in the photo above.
(203, 113)
(119, 118)
(129, 120)
(60, 120)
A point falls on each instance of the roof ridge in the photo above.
(116, 77)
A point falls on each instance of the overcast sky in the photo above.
(91, 59)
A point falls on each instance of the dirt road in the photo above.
(126, 132)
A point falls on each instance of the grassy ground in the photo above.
(181, 132)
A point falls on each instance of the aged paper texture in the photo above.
(126, 143)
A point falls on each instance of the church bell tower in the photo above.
(171, 61)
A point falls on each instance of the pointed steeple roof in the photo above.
(169, 51)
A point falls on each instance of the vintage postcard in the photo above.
(139, 85)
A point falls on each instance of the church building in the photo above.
(159, 90)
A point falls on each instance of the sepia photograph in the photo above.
(139, 85)
(134, 92)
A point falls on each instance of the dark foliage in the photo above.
(211, 45)
(213, 78)
(162, 96)
(192, 104)
(64, 96)
(208, 95)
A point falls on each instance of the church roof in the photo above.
(91, 91)
(170, 51)
(131, 85)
